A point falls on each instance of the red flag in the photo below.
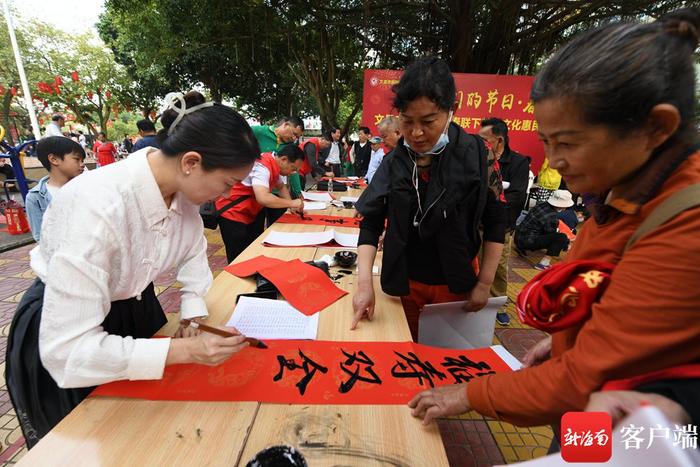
(74, 76)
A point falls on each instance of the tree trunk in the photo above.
(460, 35)
(6, 104)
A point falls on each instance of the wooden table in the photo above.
(110, 431)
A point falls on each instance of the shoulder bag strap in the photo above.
(240, 199)
(687, 198)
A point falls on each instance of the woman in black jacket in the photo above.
(432, 192)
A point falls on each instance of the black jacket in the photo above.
(515, 169)
(458, 201)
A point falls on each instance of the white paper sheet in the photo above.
(447, 325)
(325, 197)
(272, 319)
(352, 199)
(507, 357)
(277, 238)
(314, 205)
(347, 240)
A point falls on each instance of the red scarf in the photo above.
(562, 296)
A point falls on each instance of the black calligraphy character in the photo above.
(334, 221)
(463, 370)
(309, 366)
(414, 368)
(362, 359)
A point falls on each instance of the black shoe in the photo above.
(502, 318)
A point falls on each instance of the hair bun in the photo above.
(684, 23)
(167, 118)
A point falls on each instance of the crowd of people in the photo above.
(615, 108)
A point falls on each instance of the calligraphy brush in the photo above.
(258, 344)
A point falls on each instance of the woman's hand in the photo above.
(363, 303)
(205, 348)
(539, 353)
(188, 331)
(440, 402)
(478, 297)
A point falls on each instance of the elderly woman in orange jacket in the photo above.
(615, 110)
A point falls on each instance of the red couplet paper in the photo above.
(563, 228)
(251, 266)
(317, 372)
(305, 287)
(315, 219)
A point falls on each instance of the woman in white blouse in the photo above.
(89, 317)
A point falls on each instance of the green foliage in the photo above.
(73, 74)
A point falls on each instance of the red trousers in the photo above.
(421, 294)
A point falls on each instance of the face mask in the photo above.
(441, 142)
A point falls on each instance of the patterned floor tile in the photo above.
(12, 268)
(167, 278)
(519, 341)
(11, 286)
(170, 300)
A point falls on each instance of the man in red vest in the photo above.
(311, 147)
(244, 222)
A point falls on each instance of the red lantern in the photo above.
(58, 81)
(58, 91)
(89, 95)
(45, 88)
(108, 95)
(13, 90)
(74, 76)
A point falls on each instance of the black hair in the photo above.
(618, 72)
(426, 77)
(296, 122)
(365, 130)
(145, 125)
(59, 146)
(292, 152)
(498, 128)
(102, 133)
(57, 117)
(218, 133)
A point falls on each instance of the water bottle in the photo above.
(330, 185)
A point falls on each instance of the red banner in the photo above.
(317, 372)
(478, 96)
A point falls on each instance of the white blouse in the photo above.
(105, 236)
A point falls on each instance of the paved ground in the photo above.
(470, 440)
